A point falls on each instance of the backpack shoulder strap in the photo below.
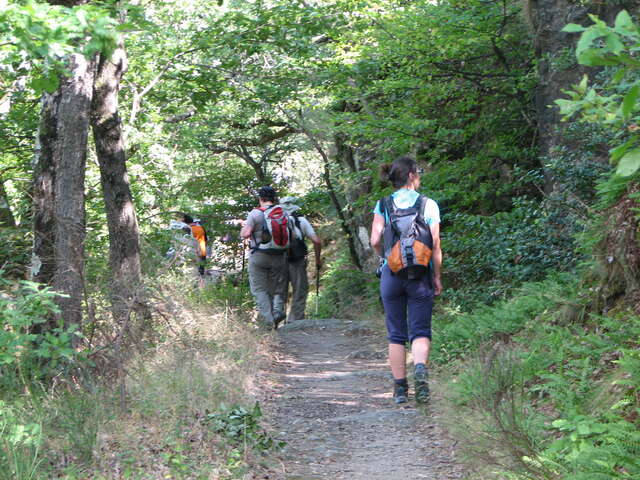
(420, 204)
(387, 206)
(296, 221)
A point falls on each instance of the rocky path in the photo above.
(329, 397)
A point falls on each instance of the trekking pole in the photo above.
(317, 287)
(243, 256)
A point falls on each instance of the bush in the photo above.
(490, 256)
(26, 357)
(547, 383)
(346, 291)
(15, 251)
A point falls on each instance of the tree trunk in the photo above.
(6, 216)
(44, 174)
(124, 241)
(359, 218)
(351, 242)
(70, 158)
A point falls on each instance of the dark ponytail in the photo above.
(398, 172)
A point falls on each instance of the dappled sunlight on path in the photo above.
(336, 412)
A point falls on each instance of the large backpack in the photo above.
(407, 238)
(298, 249)
(276, 229)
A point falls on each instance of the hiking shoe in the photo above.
(400, 394)
(420, 379)
(278, 318)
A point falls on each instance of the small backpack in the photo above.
(298, 248)
(199, 235)
(407, 238)
(276, 229)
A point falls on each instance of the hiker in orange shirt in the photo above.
(199, 235)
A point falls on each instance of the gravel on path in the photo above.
(329, 397)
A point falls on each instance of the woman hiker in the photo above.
(408, 302)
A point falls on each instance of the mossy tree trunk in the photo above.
(59, 174)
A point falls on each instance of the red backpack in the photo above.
(276, 229)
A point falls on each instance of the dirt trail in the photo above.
(329, 398)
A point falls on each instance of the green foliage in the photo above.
(39, 37)
(551, 384)
(27, 356)
(346, 291)
(241, 430)
(614, 104)
(229, 292)
(72, 420)
(590, 448)
(464, 332)
(15, 245)
(20, 444)
(241, 427)
(491, 255)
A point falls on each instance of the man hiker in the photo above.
(199, 235)
(267, 229)
(297, 259)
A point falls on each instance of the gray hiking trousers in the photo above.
(267, 278)
(297, 277)
(300, 289)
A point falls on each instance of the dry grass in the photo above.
(493, 425)
(206, 361)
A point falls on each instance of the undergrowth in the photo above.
(186, 397)
(549, 390)
(346, 292)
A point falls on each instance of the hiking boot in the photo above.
(420, 378)
(278, 318)
(400, 393)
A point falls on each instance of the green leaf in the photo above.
(582, 86)
(629, 163)
(629, 101)
(583, 429)
(586, 40)
(620, 150)
(596, 57)
(619, 75)
(624, 23)
(573, 28)
(45, 84)
(614, 43)
(627, 59)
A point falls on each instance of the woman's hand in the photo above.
(437, 286)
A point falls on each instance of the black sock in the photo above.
(401, 381)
